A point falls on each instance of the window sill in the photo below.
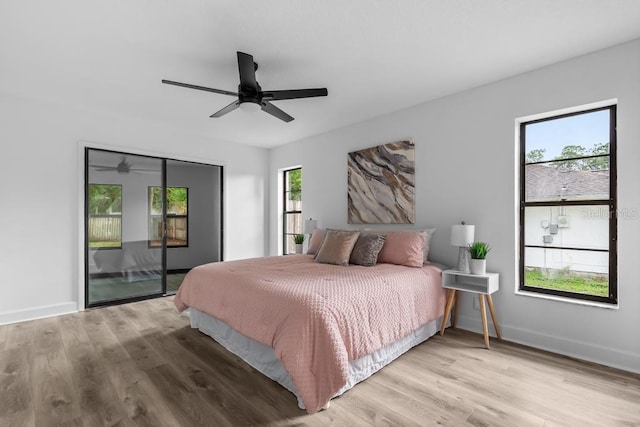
(567, 300)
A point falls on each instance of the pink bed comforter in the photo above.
(317, 317)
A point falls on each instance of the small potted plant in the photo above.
(298, 239)
(479, 251)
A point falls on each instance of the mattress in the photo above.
(264, 360)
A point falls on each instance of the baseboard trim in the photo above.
(38, 312)
(615, 358)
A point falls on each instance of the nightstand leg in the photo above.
(456, 310)
(493, 316)
(447, 310)
(483, 313)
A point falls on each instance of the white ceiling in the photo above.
(374, 56)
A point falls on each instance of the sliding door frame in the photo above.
(83, 167)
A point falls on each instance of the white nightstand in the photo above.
(483, 285)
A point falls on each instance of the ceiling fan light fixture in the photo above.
(250, 107)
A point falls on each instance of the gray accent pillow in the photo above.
(367, 248)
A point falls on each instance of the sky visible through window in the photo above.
(585, 130)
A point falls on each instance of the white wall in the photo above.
(470, 135)
(41, 181)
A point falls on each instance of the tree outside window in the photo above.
(104, 207)
(177, 216)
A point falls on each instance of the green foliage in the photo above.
(298, 239)
(105, 199)
(294, 184)
(572, 151)
(590, 284)
(568, 153)
(567, 159)
(536, 155)
(598, 163)
(600, 149)
(176, 200)
(479, 250)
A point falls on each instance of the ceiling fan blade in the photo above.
(103, 168)
(276, 95)
(247, 70)
(275, 111)
(144, 171)
(208, 89)
(226, 109)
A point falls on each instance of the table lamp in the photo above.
(309, 225)
(462, 236)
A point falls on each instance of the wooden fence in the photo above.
(107, 228)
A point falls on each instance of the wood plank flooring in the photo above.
(141, 364)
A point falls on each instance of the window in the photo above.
(105, 216)
(568, 205)
(177, 216)
(292, 212)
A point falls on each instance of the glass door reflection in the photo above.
(124, 240)
(193, 218)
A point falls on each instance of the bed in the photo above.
(315, 328)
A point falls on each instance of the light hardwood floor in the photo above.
(141, 364)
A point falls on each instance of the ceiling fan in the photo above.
(124, 167)
(250, 94)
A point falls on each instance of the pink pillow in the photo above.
(316, 240)
(337, 246)
(403, 248)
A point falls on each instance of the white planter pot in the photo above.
(298, 248)
(478, 266)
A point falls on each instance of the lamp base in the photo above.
(463, 259)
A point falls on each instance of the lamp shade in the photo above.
(462, 234)
(310, 225)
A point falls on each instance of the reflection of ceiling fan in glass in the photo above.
(123, 167)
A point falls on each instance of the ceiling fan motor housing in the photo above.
(249, 94)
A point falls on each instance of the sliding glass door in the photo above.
(148, 221)
(121, 263)
(193, 218)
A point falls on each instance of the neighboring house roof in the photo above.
(544, 182)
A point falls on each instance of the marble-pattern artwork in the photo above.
(381, 184)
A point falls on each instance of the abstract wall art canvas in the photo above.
(381, 184)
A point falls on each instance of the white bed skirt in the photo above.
(263, 359)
